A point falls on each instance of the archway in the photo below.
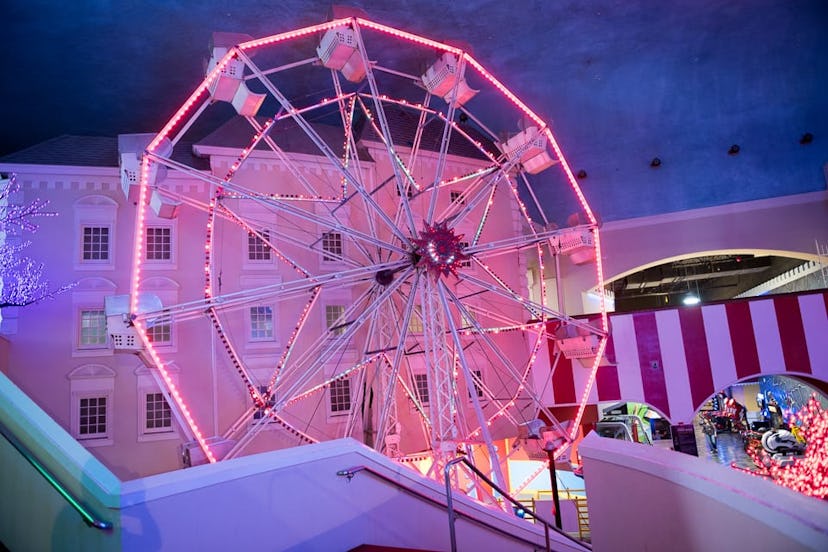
(711, 276)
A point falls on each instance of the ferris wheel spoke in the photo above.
(287, 208)
(280, 205)
(277, 291)
(399, 354)
(322, 351)
(448, 126)
(294, 170)
(444, 292)
(265, 239)
(403, 182)
(347, 113)
(477, 198)
(318, 141)
(502, 357)
(536, 310)
(394, 159)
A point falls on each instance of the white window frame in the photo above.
(252, 245)
(146, 430)
(415, 321)
(91, 381)
(250, 324)
(330, 395)
(325, 258)
(89, 294)
(254, 281)
(101, 246)
(416, 378)
(95, 211)
(252, 210)
(146, 384)
(473, 387)
(162, 264)
(79, 344)
(467, 262)
(333, 312)
(340, 416)
(167, 290)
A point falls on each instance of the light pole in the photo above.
(549, 447)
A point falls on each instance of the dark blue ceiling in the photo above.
(620, 81)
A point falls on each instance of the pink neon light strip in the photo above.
(409, 36)
(174, 392)
(294, 34)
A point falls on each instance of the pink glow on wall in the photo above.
(174, 392)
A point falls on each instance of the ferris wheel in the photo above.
(370, 268)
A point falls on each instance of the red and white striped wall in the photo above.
(675, 359)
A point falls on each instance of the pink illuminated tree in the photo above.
(807, 474)
(21, 278)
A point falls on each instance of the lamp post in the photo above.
(549, 447)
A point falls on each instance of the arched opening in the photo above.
(755, 413)
(712, 276)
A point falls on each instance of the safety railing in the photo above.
(86, 513)
(449, 505)
(546, 525)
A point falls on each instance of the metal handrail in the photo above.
(349, 473)
(86, 513)
(546, 525)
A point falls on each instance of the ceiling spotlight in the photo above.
(656, 162)
(582, 174)
(690, 300)
(734, 149)
(807, 138)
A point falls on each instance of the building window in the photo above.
(95, 232)
(92, 387)
(92, 329)
(95, 243)
(160, 333)
(257, 249)
(92, 418)
(477, 376)
(415, 323)
(465, 263)
(340, 396)
(457, 197)
(261, 323)
(333, 319)
(332, 246)
(260, 412)
(157, 414)
(421, 387)
(158, 243)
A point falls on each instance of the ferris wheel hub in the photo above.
(439, 250)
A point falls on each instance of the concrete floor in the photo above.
(729, 450)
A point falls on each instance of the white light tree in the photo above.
(21, 277)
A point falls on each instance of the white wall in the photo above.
(785, 225)
(294, 500)
(647, 498)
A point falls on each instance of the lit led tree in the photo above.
(21, 277)
(808, 474)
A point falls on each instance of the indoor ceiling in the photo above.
(708, 278)
(728, 96)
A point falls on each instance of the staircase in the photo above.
(583, 519)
